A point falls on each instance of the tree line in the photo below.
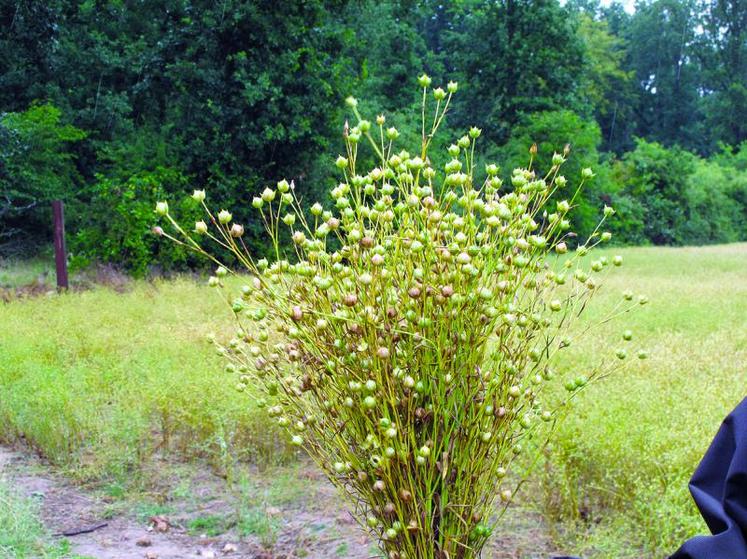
(110, 105)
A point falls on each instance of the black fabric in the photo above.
(719, 488)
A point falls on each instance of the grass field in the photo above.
(100, 382)
(621, 465)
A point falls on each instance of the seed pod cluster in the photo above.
(405, 336)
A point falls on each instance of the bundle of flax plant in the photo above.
(419, 314)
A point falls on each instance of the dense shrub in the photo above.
(114, 224)
(670, 196)
(549, 130)
(714, 214)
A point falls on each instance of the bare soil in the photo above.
(193, 514)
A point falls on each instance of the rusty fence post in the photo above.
(60, 254)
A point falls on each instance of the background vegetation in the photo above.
(112, 104)
(109, 382)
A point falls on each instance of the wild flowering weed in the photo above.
(419, 315)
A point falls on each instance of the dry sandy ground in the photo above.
(312, 524)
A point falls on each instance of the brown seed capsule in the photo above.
(157, 231)
(350, 299)
(379, 485)
(405, 495)
(500, 412)
(237, 230)
(414, 292)
(296, 314)
(362, 476)
(306, 383)
(389, 509)
(447, 291)
(412, 526)
(367, 242)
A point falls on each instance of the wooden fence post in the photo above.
(60, 254)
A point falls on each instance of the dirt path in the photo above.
(284, 515)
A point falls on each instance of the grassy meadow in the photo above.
(100, 383)
(620, 467)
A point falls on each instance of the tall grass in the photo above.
(99, 381)
(620, 468)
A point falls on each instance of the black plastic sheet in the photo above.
(719, 488)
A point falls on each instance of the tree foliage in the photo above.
(229, 95)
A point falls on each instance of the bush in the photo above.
(713, 214)
(114, 224)
(655, 179)
(670, 196)
(549, 130)
(405, 340)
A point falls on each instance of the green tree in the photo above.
(36, 166)
(723, 52)
(514, 57)
(552, 131)
(607, 86)
(662, 45)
